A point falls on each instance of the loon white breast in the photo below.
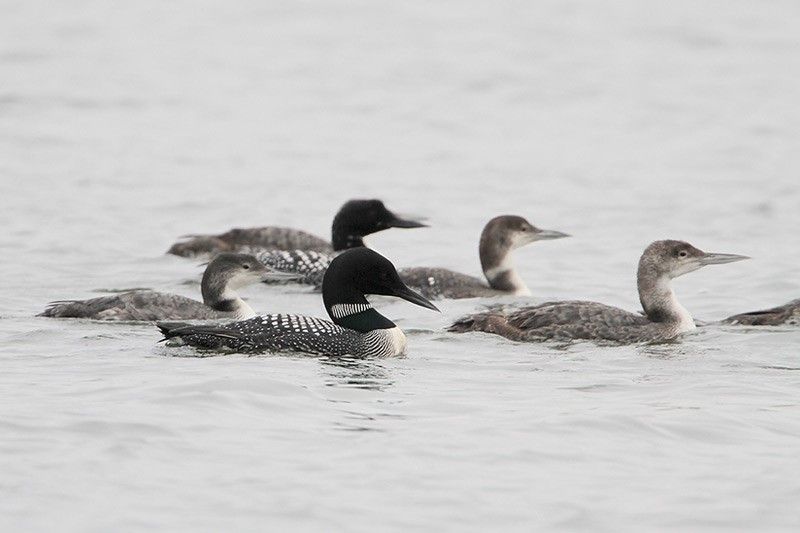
(355, 220)
(664, 317)
(355, 328)
(499, 238)
(225, 274)
(786, 314)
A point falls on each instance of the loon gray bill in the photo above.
(664, 317)
(500, 236)
(355, 220)
(786, 314)
(356, 328)
(226, 273)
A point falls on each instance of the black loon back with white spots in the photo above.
(309, 265)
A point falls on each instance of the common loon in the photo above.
(356, 329)
(310, 265)
(225, 274)
(355, 220)
(788, 314)
(500, 236)
(664, 317)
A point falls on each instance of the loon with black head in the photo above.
(664, 317)
(786, 314)
(225, 274)
(355, 220)
(499, 238)
(356, 328)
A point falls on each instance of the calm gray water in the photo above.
(126, 124)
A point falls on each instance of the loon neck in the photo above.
(351, 310)
(343, 239)
(659, 301)
(499, 269)
(220, 297)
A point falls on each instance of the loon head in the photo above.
(358, 218)
(663, 261)
(356, 273)
(227, 272)
(500, 236)
(670, 259)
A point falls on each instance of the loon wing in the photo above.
(268, 237)
(445, 283)
(140, 305)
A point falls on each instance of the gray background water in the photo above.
(126, 124)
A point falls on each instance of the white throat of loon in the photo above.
(661, 262)
(500, 237)
(228, 272)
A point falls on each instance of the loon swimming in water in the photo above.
(223, 275)
(788, 314)
(664, 317)
(356, 328)
(355, 220)
(362, 217)
(500, 236)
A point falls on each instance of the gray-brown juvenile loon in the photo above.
(225, 274)
(664, 317)
(500, 236)
(786, 314)
(356, 328)
(355, 220)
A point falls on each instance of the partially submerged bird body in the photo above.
(499, 238)
(444, 283)
(223, 275)
(664, 317)
(354, 220)
(268, 237)
(137, 305)
(787, 314)
(355, 328)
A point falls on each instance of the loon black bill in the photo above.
(414, 297)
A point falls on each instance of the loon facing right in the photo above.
(500, 236)
(223, 275)
(664, 317)
(357, 328)
(788, 314)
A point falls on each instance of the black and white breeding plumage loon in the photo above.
(664, 317)
(787, 314)
(355, 220)
(356, 328)
(500, 236)
(225, 274)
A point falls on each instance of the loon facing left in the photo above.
(356, 328)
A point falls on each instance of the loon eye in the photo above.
(683, 253)
(246, 266)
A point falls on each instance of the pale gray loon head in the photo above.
(499, 238)
(226, 273)
(359, 218)
(356, 273)
(663, 261)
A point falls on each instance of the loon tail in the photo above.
(201, 335)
